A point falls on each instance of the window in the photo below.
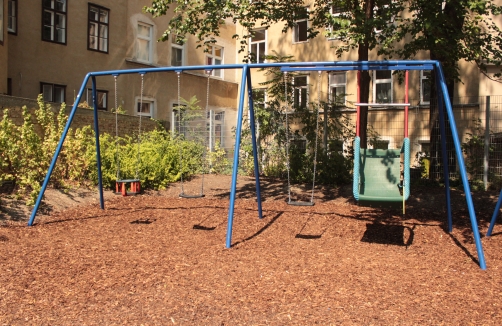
(144, 42)
(12, 17)
(337, 86)
(1, 22)
(54, 21)
(102, 99)
(215, 128)
(300, 31)
(383, 16)
(258, 45)
(145, 107)
(425, 87)
(300, 91)
(381, 144)
(214, 57)
(382, 86)
(176, 51)
(9, 86)
(336, 13)
(98, 28)
(52, 92)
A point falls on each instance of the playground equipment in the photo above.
(181, 131)
(246, 84)
(377, 172)
(121, 184)
(311, 202)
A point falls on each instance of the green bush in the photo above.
(26, 154)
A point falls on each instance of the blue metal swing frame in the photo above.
(246, 85)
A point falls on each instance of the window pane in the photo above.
(49, 4)
(301, 31)
(426, 90)
(338, 78)
(261, 53)
(383, 74)
(48, 20)
(47, 93)
(93, 29)
(58, 94)
(102, 100)
(217, 52)
(254, 53)
(176, 57)
(144, 31)
(61, 5)
(93, 42)
(258, 36)
(383, 93)
(103, 16)
(93, 14)
(301, 81)
(143, 50)
(103, 31)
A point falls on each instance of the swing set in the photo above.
(370, 161)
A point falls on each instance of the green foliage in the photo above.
(474, 150)
(218, 161)
(27, 152)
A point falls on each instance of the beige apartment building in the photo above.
(49, 46)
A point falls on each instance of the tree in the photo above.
(451, 31)
(360, 24)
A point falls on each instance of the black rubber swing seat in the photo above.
(191, 196)
(300, 203)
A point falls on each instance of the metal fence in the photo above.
(479, 124)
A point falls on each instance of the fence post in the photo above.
(487, 142)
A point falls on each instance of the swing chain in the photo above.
(139, 129)
(316, 132)
(287, 131)
(117, 158)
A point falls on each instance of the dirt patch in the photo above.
(156, 259)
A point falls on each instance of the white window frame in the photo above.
(148, 39)
(212, 58)
(299, 88)
(259, 44)
(177, 46)
(422, 78)
(147, 101)
(296, 30)
(383, 81)
(333, 84)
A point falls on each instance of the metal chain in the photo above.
(179, 130)
(138, 160)
(287, 132)
(316, 132)
(206, 142)
(117, 158)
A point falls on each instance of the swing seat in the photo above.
(377, 174)
(183, 195)
(121, 187)
(300, 203)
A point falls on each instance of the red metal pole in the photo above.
(406, 100)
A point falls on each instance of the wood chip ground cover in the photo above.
(156, 259)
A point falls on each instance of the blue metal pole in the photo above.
(235, 169)
(58, 150)
(463, 173)
(98, 151)
(444, 153)
(253, 140)
(494, 216)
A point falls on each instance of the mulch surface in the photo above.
(156, 259)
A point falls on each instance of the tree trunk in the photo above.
(364, 86)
